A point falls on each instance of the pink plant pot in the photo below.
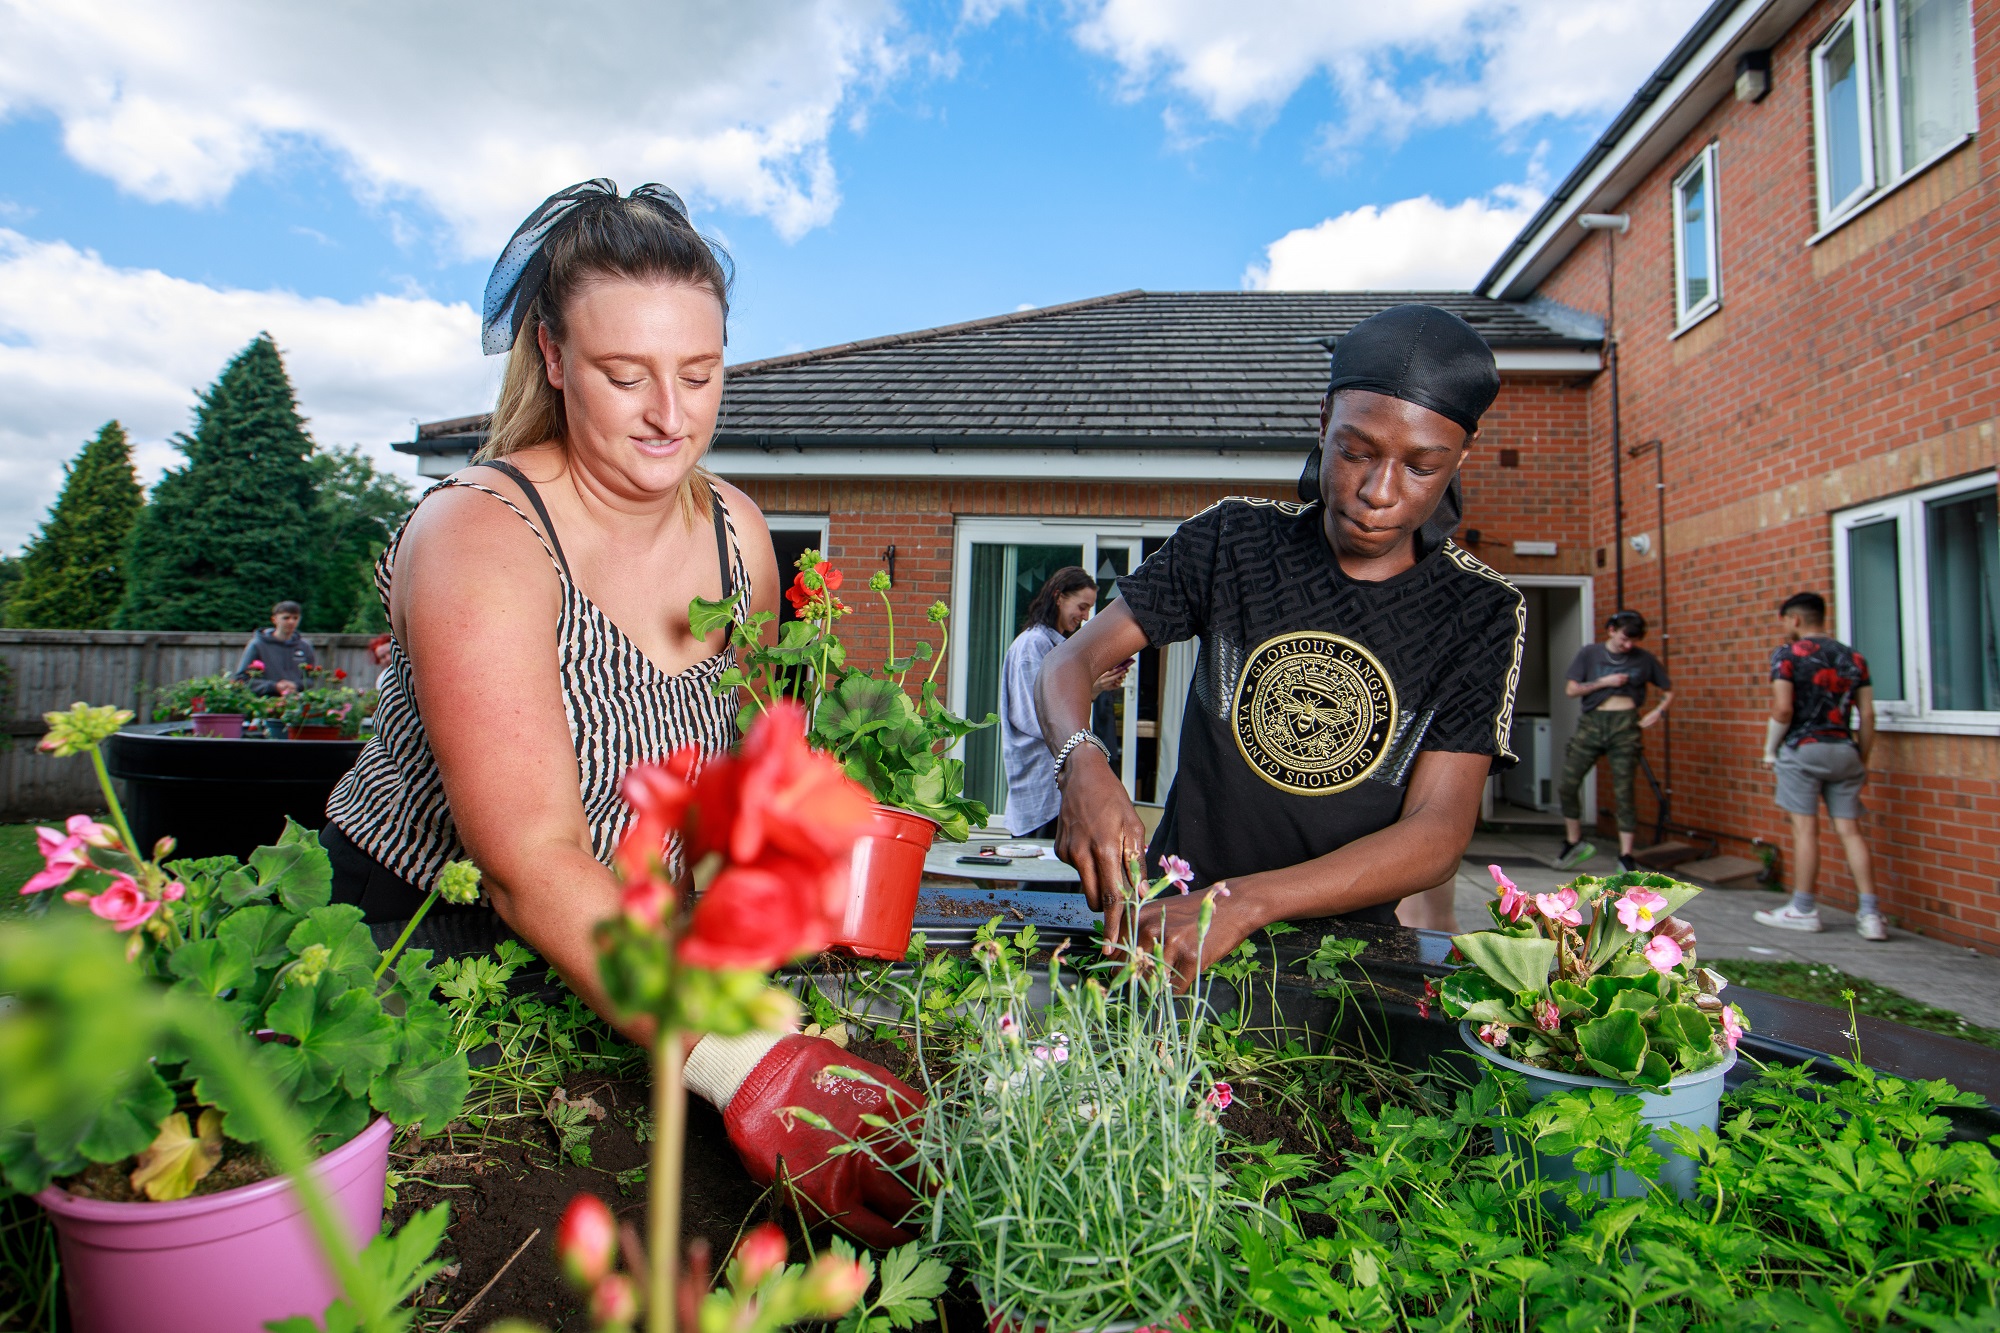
(883, 880)
(227, 726)
(215, 1263)
(313, 733)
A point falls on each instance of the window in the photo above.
(1892, 89)
(1919, 597)
(1697, 283)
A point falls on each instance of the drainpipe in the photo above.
(1659, 448)
(1613, 225)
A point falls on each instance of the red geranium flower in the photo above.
(792, 799)
(800, 596)
(759, 916)
(660, 795)
(340, 673)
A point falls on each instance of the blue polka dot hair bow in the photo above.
(525, 262)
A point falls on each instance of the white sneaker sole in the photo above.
(1876, 932)
(1807, 927)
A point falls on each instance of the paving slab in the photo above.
(1937, 973)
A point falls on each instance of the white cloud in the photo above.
(1411, 245)
(1510, 60)
(478, 111)
(82, 342)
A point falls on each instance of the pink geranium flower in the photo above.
(1559, 906)
(125, 905)
(62, 852)
(1639, 909)
(1732, 1027)
(1179, 873)
(1663, 953)
(1513, 902)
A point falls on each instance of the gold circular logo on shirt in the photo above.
(1313, 712)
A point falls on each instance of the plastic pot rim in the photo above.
(1468, 1033)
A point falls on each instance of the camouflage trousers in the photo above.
(1600, 733)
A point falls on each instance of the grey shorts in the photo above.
(1813, 770)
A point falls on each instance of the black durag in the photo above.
(1425, 356)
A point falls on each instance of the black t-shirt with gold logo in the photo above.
(1314, 693)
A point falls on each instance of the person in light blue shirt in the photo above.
(1057, 612)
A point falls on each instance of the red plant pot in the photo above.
(313, 733)
(229, 726)
(214, 1263)
(887, 870)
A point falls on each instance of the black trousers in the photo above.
(388, 901)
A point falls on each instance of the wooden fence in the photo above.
(52, 669)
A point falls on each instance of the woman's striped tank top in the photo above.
(622, 710)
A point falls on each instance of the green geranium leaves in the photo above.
(340, 1035)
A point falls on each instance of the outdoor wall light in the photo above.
(1534, 548)
(1618, 222)
(1643, 543)
(1753, 76)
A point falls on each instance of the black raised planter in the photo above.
(222, 797)
(1390, 973)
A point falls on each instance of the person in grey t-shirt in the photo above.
(1057, 612)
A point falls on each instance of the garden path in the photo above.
(1937, 973)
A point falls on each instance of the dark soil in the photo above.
(112, 1181)
(975, 911)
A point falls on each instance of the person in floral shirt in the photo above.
(1820, 733)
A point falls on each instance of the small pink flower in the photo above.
(1513, 902)
(1732, 1027)
(174, 892)
(1663, 953)
(62, 855)
(1056, 1053)
(1221, 1096)
(1179, 873)
(125, 905)
(1639, 909)
(1218, 891)
(257, 665)
(1493, 1034)
(1559, 906)
(1009, 1028)
(1547, 1017)
(92, 832)
(1424, 1000)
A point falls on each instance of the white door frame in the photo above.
(1050, 531)
(1586, 585)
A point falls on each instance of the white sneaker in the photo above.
(1787, 919)
(1871, 926)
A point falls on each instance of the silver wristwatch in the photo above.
(1085, 737)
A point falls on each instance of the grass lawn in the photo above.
(1823, 984)
(18, 860)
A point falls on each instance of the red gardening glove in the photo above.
(854, 1191)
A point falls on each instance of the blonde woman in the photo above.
(540, 639)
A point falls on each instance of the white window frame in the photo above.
(1687, 316)
(1913, 712)
(1882, 165)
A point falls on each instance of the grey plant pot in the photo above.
(1693, 1100)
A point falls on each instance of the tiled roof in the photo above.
(1245, 369)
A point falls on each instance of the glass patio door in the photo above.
(1004, 567)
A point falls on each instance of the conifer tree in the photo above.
(73, 575)
(232, 531)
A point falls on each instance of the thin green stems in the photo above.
(664, 1202)
(111, 803)
(408, 931)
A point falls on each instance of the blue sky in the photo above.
(344, 180)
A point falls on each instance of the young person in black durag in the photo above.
(1356, 680)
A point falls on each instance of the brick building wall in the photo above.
(1854, 368)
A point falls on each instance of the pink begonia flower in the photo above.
(1513, 902)
(1221, 1096)
(1639, 909)
(1559, 906)
(1663, 953)
(1732, 1027)
(125, 905)
(1493, 1034)
(1547, 1017)
(1179, 873)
